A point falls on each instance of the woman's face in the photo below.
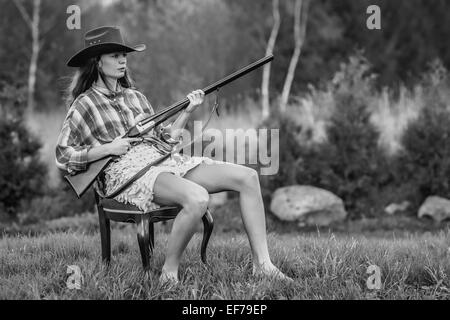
(114, 64)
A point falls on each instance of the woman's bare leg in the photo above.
(228, 176)
(173, 190)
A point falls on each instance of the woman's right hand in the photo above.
(196, 98)
(120, 146)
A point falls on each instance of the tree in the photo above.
(269, 49)
(300, 20)
(51, 41)
(33, 24)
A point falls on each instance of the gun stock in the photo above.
(83, 180)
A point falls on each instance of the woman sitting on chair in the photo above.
(103, 106)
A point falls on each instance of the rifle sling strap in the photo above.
(142, 172)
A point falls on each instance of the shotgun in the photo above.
(81, 181)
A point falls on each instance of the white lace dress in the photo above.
(140, 193)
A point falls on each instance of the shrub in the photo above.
(24, 194)
(289, 152)
(425, 162)
(56, 203)
(348, 162)
(350, 159)
(22, 174)
(422, 166)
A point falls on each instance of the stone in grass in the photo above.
(307, 205)
(397, 207)
(435, 207)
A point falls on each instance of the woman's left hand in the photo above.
(196, 98)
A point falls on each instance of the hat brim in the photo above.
(80, 58)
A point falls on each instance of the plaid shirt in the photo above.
(97, 117)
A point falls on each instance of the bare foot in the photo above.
(168, 279)
(269, 270)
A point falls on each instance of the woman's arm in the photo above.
(71, 153)
(97, 153)
(117, 147)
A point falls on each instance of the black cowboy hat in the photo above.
(100, 41)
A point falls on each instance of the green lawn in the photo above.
(323, 266)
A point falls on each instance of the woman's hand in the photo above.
(196, 98)
(120, 146)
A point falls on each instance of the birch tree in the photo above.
(33, 23)
(300, 20)
(269, 49)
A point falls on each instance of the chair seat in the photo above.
(111, 205)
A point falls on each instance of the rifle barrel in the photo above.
(238, 74)
(176, 107)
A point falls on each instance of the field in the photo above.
(323, 266)
(411, 254)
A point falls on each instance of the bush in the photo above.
(348, 162)
(24, 194)
(289, 152)
(422, 166)
(425, 162)
(56, 203)
(22, 175)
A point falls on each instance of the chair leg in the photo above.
(143, 236)
(105, 232)
(152, 236)
(208, 224)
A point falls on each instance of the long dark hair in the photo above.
(85, 76)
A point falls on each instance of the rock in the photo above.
(307, 205)
(396, 207)
(435, 207)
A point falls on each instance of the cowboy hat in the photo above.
(99, 41)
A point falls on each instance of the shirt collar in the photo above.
(108, 93)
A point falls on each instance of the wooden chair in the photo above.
(109, 209)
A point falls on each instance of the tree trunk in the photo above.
(34, 54)
(301, 17)
(33, 24)
(269, 49)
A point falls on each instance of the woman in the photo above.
(104, 105)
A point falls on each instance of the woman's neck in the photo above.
(112, 83)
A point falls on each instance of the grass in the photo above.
(323, 267)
